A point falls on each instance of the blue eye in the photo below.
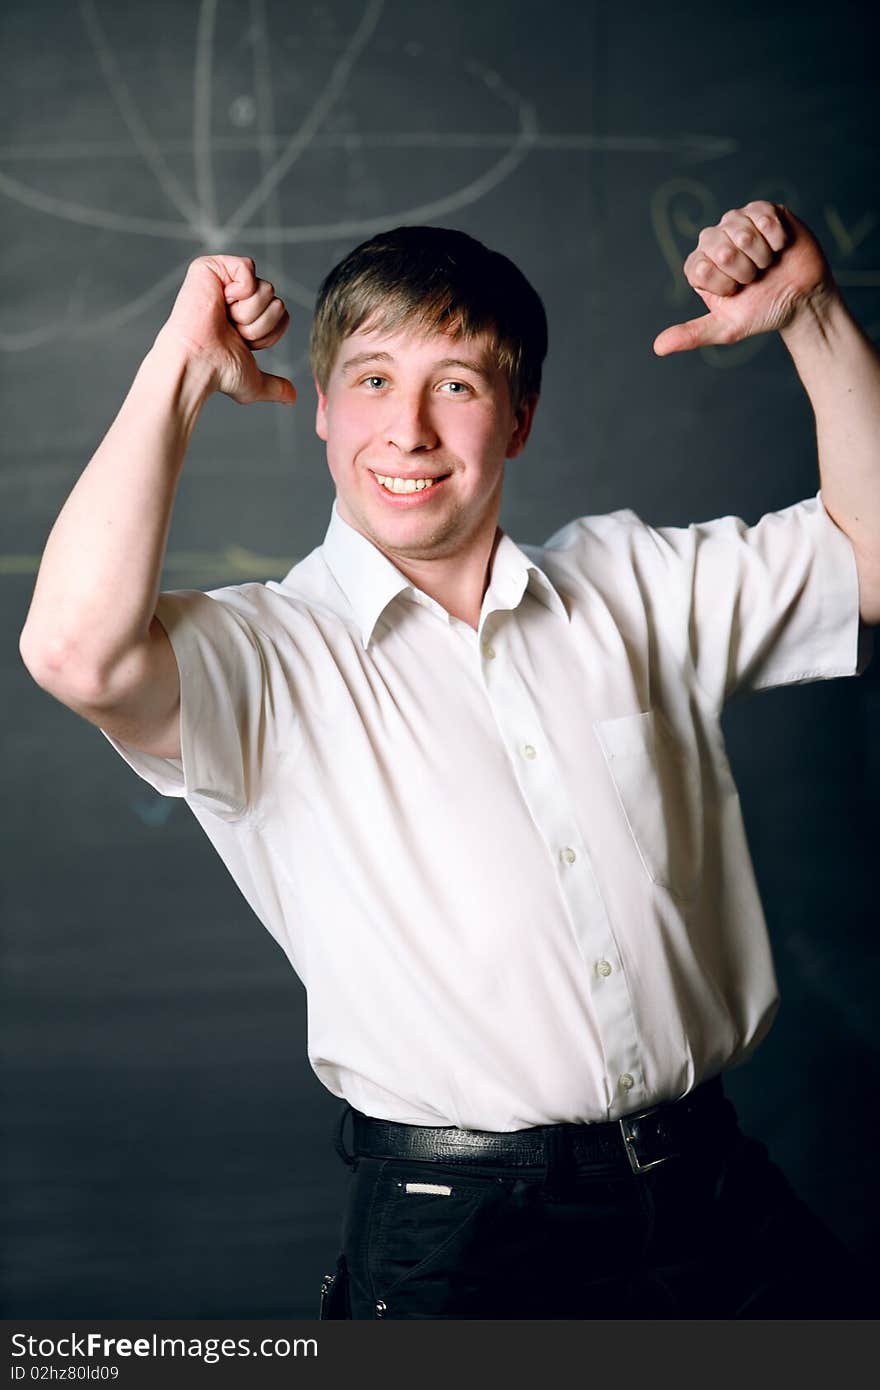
(460, 387)
(371, 380)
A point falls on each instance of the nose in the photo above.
(409, 427)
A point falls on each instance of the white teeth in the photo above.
(405, 484)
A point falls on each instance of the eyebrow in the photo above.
(470, 364)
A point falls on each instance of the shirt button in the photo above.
(488, 651)
(604, 968)
(567, 855)
(626, 1082)
(528, 751)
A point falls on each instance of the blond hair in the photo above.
(433, 279)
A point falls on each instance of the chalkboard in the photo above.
(168, 1148)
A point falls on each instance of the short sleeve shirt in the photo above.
(509, 865)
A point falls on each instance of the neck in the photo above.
(457, 582)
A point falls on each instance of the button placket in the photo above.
(542, 787)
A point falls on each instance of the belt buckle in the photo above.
(630, 1141)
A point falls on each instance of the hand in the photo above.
(760, 269)
(223, 314)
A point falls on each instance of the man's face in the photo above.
(437, 408)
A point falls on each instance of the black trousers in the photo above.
(713, 1233)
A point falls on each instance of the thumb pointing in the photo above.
(276, 388)
(682, 337)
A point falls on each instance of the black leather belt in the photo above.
(643, 1139)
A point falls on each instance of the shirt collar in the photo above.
(370, 581)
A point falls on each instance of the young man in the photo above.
(478, 791)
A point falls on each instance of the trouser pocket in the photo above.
(427, 1252)
(334, 1300)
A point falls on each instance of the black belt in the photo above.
(643, 1139)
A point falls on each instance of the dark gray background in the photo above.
(167, 1147)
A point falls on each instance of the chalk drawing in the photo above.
(197, 223)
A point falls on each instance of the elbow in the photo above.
(43, 659)
(54, 665)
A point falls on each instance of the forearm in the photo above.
(98, 581)
(840, 370)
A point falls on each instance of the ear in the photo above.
(321, 425)
(525, 414)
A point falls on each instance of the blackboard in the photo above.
(168, 1147)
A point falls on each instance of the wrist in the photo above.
(816, 319)
(177, 366)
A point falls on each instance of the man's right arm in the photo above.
(91, 638)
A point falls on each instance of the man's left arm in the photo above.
(760, 269)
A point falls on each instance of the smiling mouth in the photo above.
(407, 486)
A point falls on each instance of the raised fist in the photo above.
(222, 315)
(756, 271)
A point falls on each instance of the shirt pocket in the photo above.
(658, 787)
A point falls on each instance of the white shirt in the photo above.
(508, 865)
